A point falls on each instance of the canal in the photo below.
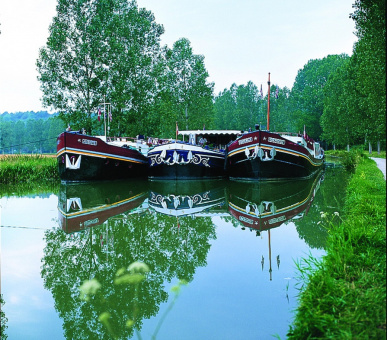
(222, 256)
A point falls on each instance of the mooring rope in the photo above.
(24, 227)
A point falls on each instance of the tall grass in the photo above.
(344, 295)
(349, 159)
(340, 153)
(27, 168)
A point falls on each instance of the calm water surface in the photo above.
(235, 244)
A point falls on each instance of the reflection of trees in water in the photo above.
(171, 248)
(329, 198)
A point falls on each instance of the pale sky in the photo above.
(240, 40)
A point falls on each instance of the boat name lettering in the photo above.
(277, 219)
(89, 142)
(276, 140)
(90, 222)
(244, 219)
(245, 140)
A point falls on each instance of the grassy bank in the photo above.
(27, 168)
(341, 153)
(344, 295)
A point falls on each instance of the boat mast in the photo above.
(104, 115)
(268, 105)
(108, 105)
(270, 270)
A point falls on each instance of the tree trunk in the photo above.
(378, 147)
(186, 118)
(369, 147)
(348, 147)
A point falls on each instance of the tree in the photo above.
(133, 68)
(370, 60)
(225, 106)
(34, 133)
(186, 86)
(96, 51)
(6, 136)
(18, 137)
(281, 119)
(248, 106)
(307, 94)
(240, 107)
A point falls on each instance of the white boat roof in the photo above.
(210, 132)
(293, 139)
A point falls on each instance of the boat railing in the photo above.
(121, 139)
(289, 134)
(211, 146)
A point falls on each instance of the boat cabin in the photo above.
(210, 139)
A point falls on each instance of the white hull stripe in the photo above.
(278, 149)
(99, 155)
(195, 153)
(278, 211)
(98, 209)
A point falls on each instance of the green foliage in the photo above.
(110, 50)
(331, 196)
(133, 275)
(41, 187)
(95, 51)
(29, 132)
(307, 94)
(355, 95)
(344, 294)
(351, 159)
(3, 320)
(375, 154)
(370, 58)
(239, 108)
(25, 168)
(24, 116)
(185, 97)
(169, 252)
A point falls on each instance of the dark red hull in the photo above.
(269, 156)
(84, 158)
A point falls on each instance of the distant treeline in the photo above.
(29, 132)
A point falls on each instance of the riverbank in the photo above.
(25, 168)
(343, 296)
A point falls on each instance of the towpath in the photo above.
(381, 163)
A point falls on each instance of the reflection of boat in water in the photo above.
(85, 205)
(265, 205)
(178, 198)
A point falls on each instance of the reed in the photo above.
(343, 296)
(27, 168)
